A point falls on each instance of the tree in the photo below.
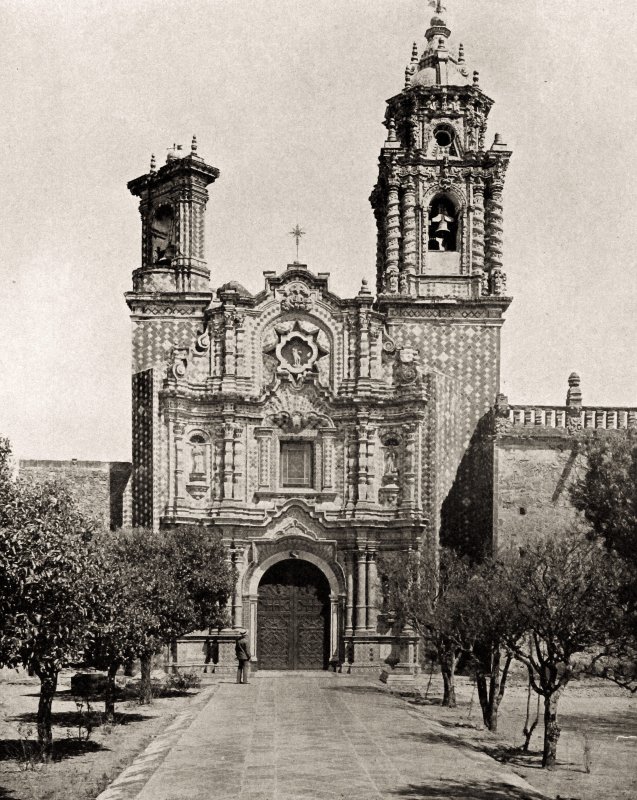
(564, 595)
(607, 495)
(50, 584)
(607, 492)
(162, 585)
(487, 598)
(429, 597)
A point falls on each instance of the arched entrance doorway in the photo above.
(293, 609)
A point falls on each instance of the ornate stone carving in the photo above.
(406, 370)
(179, 362)
(295, 297)
(203, 342)
(297, 421)
(297, 349)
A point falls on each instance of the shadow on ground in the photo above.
(74, 719)
(456, 790)
(21, 750)
(513, 756)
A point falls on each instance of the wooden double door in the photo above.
(293, 616)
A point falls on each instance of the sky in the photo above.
(286, 98)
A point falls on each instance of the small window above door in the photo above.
(296, 464)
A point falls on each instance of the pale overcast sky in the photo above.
(287, 98)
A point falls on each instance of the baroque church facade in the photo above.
(317, 433)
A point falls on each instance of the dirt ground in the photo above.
(81, 768)
(595, 716)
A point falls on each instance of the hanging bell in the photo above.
(442, 227)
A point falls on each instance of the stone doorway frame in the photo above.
(290, 547)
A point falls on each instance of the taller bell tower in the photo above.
(438, 198)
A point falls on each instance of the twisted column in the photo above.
(497, 280)
(477, 241)
(392, 256)
(409, 231)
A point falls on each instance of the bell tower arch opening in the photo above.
(443, 224)
(293, 617)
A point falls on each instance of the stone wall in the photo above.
(532, 479)
(99, 487)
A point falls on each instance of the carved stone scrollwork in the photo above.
(406, 369)
(179, 362)
(203, 342)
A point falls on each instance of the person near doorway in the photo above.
(242, 651)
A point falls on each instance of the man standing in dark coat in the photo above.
(242, 651)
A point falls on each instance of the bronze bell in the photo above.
(442, 227)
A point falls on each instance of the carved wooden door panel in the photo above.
(293, 617)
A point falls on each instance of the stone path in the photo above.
(320, 736)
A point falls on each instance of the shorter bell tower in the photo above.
(172, 206)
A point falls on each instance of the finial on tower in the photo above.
(153, 164)
(461, 54)
(193, 146)
(414, 53)
(574, 394)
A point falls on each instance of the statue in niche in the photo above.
(391, 461)
(198, 455)
(296, 356)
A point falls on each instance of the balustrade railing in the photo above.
(570, 417)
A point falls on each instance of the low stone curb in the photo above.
(132, 780)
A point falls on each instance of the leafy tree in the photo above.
(51, 592)
(564, 595)
(458, 608)
(429, 597)
(607, 494)
(161, 586)
(487, 602)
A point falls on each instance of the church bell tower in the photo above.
(438, 198)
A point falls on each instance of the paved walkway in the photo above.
(321, 736)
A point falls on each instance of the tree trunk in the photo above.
(529, 727)
(109, 695)
(48, 686)
(551, 731)
(449, 695)
(145, 686)
(491, 695)
(483, 695)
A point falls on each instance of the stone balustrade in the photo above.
(569, 417)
